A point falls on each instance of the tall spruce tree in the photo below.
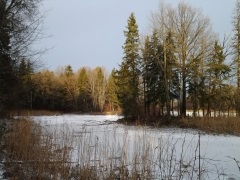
(100, 89)
(84, 98)
(7, 74)
(129, 71)
(146, 56)
(218, 73)
(155, 94)
(112, 98)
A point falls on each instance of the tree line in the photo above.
(181, 64)
(87, 90)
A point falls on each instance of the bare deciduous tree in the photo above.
(189, 29)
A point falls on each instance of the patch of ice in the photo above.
(214, 148)
(76, 119)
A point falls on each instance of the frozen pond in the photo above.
(166, 151)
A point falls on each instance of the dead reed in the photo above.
(31, 154)
(216, 125)
(27, 113)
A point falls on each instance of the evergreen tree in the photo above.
(158, 75)
(128, 74)
(25, 91)
(48, 92)
(146, 55)
(70, 84)
(68, 71)
(84, 99)
(218, 73)
(112, 98)
(7, 74)
(100, 85)
(196, 85)
(19, 28)
(154, 77)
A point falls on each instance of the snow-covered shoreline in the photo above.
(218, 151)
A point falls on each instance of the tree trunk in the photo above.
(184, 93)
(168, 106)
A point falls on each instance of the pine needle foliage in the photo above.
(129, 71)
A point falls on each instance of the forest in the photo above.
(181, 66)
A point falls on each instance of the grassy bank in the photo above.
(211, 125)
(28, 113)
(214, 125)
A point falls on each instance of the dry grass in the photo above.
(27, 113)
(212, 125)
(218, 125)
(31, 154)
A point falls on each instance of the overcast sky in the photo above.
(90, 32)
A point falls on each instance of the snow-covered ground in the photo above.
(219, 154)
(1, 171)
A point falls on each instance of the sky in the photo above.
(89, 33)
